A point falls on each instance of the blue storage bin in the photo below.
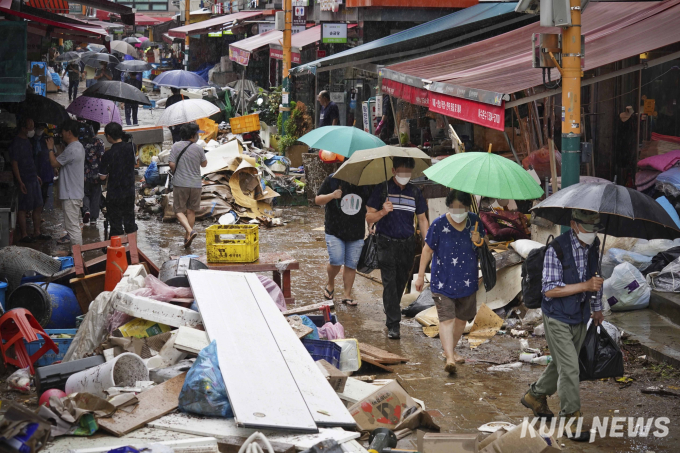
(50, 357)
(323, 349)
(318, 320)
(3, 290)
(66, 262)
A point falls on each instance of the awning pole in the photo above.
(187, 21)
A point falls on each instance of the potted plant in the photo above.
(297, 125)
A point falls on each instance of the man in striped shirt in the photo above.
(393, 210)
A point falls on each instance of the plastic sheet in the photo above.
(600, 357)
(274, 292)
(330, 331)
(626, 289)
(668, 280)
(309, 323)
(654, 246)
(423, 302)
(615, 256)
(204, 391)
(157, 290)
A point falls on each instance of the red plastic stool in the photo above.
(17, 325)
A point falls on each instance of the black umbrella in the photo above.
(116, 91)
(93, 59)
(147, 44)
(68, 56)
(623, 212)
(133, 66)
(40, 108)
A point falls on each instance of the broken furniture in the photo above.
(16, 326)
(267, 262)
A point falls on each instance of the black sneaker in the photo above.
(393, 333)
(86, 218)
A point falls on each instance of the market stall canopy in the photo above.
(127, 14)
(430, 36)
(61, 26)
(240, 51)
(53, 6)
(210, 25)
(489, 71)
(141, 19)
(298, 41)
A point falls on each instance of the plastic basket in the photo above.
(350, 357)
(62, 343)
(247, 123)
(232, 243)
(66, 262)
(323, 350)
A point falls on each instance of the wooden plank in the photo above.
(308, 308)
(380, 354)
(323, 402)
(88, 288)
(376, 364)
(248, 353)
(153, 404)
(223, 427)
(553, 168)
(154, 310)
(191, 340)
(380, 360)
(232, 444)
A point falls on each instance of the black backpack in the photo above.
(532, 273)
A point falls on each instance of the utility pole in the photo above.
(287, 31)
(187, 21)
(571, 97)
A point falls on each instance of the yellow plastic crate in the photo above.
(232, 243)
(247, 123)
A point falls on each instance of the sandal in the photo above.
(188, 242)
(63, 241)
(328, 295)
(350, 302)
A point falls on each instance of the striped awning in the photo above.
(53, 6)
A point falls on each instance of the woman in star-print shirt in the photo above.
(450, 246)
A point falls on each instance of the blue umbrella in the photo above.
(180, 79)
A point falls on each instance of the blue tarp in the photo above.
(203, 70)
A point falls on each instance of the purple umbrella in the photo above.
(100, 110)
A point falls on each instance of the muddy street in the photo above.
(458, 404)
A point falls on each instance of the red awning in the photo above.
(163, 19)
(62, 27)
(490, 70)
(297, 42)
(240, 50)
(141, 19)
(210, 25)
(53, 6)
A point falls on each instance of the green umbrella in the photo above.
(485, 174)
(374, 166)
(343, 140)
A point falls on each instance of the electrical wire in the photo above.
(641, 86)
(250, 446)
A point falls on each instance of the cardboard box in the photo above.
(335, 377)
(448, 443)
(491, 438)
(384, 408)
(532, 442)
(141, 328)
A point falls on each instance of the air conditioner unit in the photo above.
(280, 21)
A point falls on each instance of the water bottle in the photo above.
(527, 357)
(543, 360)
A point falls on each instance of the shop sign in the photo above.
(650, 105)
(338, 97)
(320, 54)
(240, 56)
(295, 29)
(75, 8)
(216, 34)
(277, 54)
(411, 94)
(300, 2)
(488, 115)
(265, 26)
(299, 16)
(334, 33)
(328, 5)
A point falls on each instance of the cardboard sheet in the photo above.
(486, 324)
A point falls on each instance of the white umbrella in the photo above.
(124, 48)
(187, 111)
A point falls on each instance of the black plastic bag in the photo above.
(488, 264)
(368, 260)
(600, 357)
(661, 260)
(422, 303)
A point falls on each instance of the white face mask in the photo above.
(586, 238)
(403, 180)
(458, 215)
(30, 134)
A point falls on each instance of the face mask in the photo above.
(403, 180)
(586, 238)
(30, 134)
(458, 215)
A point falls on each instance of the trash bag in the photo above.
(423, 302)
(314, 335)
(599, 357)
(661, 260)
(488, 264)
(667, 280)
(638, 260)
(368, 260)
(626, 289)
(204, 392)
(654, 246)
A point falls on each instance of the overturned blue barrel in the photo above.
(54, 308)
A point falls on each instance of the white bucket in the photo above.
(123, 371)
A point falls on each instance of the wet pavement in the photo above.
(459, 404)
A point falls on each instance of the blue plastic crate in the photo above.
(66, 262)
(50, 357)
(323, 349)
